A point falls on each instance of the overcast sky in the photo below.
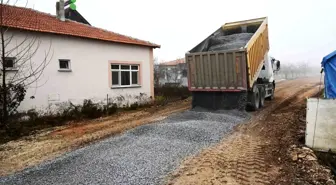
(299, 30)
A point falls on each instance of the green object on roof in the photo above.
(73, 5)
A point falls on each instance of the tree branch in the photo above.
(34, 72)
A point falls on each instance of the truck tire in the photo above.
(242, 102)
(272, 95)
(262, 93)
(254, 99)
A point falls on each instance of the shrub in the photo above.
(134, 106)
(15, 94)
(26, 123)
(120, 100)
(70, 112)
(91, 110)
(172, 92)
(160, 100)
(143, 99)
(111, 108)
(32, 114)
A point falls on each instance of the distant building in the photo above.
(174, 72)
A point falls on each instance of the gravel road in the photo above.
(144, 155)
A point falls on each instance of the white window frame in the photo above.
(62, 69)
(128, 70)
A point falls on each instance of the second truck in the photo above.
(231, 68)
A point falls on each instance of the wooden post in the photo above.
(107, 105)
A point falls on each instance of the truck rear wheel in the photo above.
(262, 93)
(254, 99)
(272, 95)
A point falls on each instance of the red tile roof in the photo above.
(174, 62)
(32, 20)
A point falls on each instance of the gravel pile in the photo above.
(234, 41)
(227, 42)
(144, 155)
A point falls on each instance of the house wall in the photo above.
(89, 78)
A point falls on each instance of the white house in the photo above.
(85, 62)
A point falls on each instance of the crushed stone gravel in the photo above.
(222, 42)
(234, 41)
(144, 155)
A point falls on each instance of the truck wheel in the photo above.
(262, 96)
(272, 95)
(242, 102)
(255, 99)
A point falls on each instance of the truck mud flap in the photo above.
(219, 100)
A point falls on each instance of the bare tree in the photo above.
(298, 70)
(176, 74)
(158, 72)
(304, 68)
(171, 74)
(19, 70)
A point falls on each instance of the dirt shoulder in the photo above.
(261, 151)
(48, 144)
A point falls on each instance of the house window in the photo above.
(9, 62)
(64, 65)
(125, 75)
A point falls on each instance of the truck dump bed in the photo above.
(231, 58)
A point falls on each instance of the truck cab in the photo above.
(271, 65)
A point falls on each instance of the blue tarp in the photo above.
(329, 66)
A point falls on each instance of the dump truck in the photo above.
(231, 68)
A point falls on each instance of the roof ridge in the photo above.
(88, 26)
(20, 7)
(103, 29)
(174, 62)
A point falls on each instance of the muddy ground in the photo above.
(51, 143)
(269, 149)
